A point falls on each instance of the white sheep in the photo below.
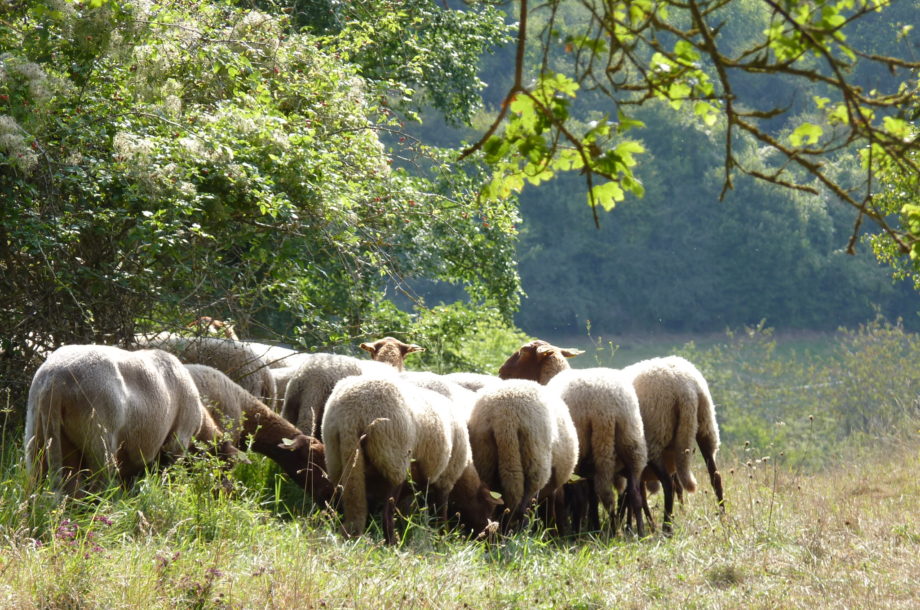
(276, 356)
(233, 358)
(677, 408)
(524, 443)
(312, 383)
(376, 428)
(251, 423)
(605, 410)
(391, 351)
(102, 409)
(472, 381)
(282, 377)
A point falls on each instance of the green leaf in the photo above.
(807, 132)
(606, 195)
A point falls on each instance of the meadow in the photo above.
(819, 458)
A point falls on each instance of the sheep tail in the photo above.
(511, 470)
(43, 434)
(707, 438)
(604, 443)
(684, 435)
(352, 483)
(290, 406)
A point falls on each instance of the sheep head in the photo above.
(391, 351)
(310, 469)
(537, 361)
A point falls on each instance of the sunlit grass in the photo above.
(847, 536)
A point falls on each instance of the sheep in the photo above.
(276, 356)
(245, 417)
(282, 377)
(605, 410)
(107, 410)
(676, 408)
(524, 443)
(392, 351)
(472, 381)
(312, 383)
(234, 358)
(376, 427)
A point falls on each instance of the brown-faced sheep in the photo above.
(102, 409)
(605, 410)
(391, 351)
(377, 428)
(676, 408)
(251, 423)
(524, 444)
(312, 383)
(233, 358)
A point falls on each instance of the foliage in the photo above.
(800, 79)
(808, 406)
(161, 161)
(680, 261)
(460, 338)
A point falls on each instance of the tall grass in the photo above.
(823, 510)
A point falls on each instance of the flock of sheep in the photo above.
(479, 451)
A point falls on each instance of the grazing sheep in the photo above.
(275, 356)
(312, 383)
(392, 351)
(605, 410)
(376, 428)
(233, 358)
(472, 381)
(524, 443)
(245, 417)
(103, 409)
(676, 408)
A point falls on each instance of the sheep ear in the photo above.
(368, 347)
(414, 348)
(571, 352)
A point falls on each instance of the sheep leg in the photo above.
(594, 518)
(708, 449)
(635, 503)
(389, 512)
(667, 488)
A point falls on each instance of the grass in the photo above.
(846, 536)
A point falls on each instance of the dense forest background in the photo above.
(292, 167)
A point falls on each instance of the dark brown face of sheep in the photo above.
(311, 455)
(476, 510)
(530, 361)
(391, 351)
(524, 363)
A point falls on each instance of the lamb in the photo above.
(312, 383)
(676, 408)
(107, 410)
(605, 410)
(245, 417)
(391, 351)
(376, 428)
(524, 444)
(234, 358)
